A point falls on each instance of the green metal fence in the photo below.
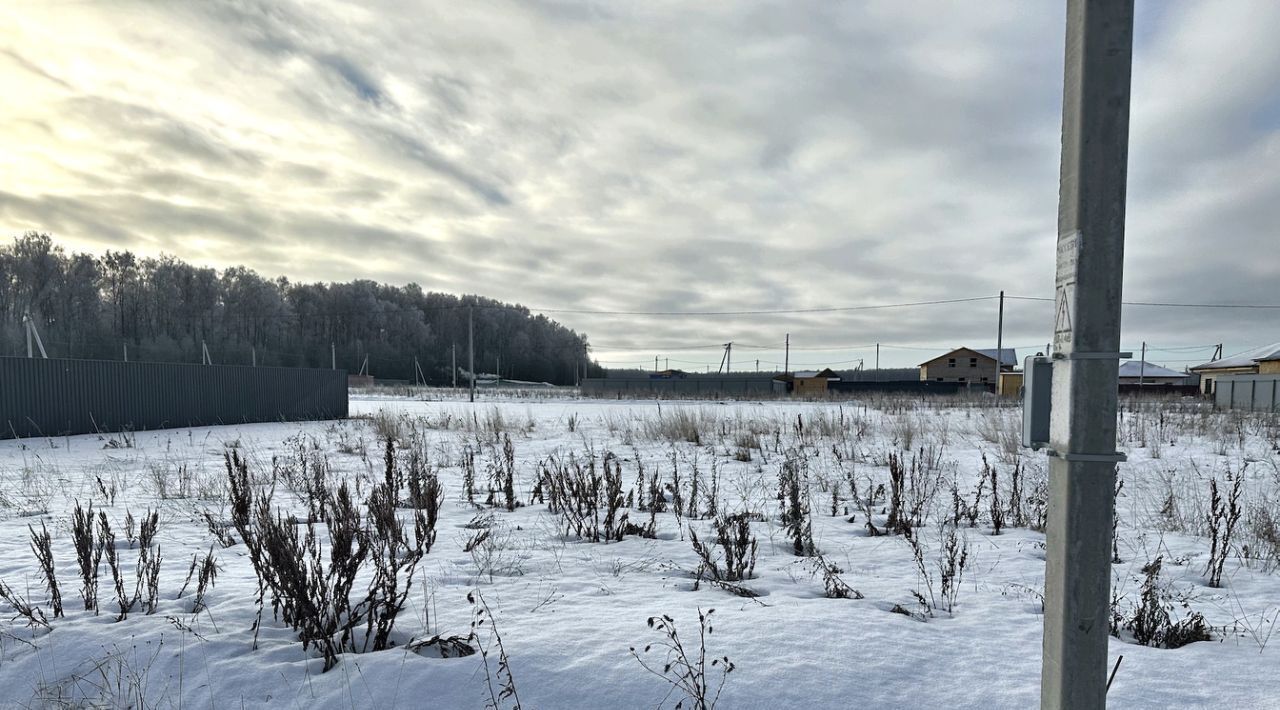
(53, 397)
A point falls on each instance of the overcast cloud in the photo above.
(653, 156)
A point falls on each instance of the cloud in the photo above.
(654, 157)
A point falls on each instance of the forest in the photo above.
(162, 309)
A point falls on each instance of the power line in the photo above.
(1159, 304)
(657, 348)
(779, 311)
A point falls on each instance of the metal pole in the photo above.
(1000, 343)
(254, 352)
(126, 352)
(26, 321)
(1090, 258)
(877, 356)
(333, 356)
(786, 360)
(455, 366)
(471, 349)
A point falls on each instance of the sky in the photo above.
(656, 156)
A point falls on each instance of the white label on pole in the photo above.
(1065, 295)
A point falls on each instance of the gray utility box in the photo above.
(1037, 396)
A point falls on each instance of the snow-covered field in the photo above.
(568, 611)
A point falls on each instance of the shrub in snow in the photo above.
(1223, 516)
(42, 547)
(1150, 623)
(311, 591)
(588, 498)
(737, 560)
(686, 669)
(793, 499)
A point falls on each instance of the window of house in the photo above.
(939, 379)
(984, 379)
(973, 362)
(962, 379)
(951, 362)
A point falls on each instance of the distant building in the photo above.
(807, 383)
(1136, 372)
(669, 375)
(1010, 384)
(1258, 361)
(968, 365)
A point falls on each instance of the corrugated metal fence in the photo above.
(53, 397)
(1255, 393)
(758, 386)
(677, 386)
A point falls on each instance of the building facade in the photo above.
(1257, 361)
(967, 365)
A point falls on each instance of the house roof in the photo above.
(1009, 356)
(826, 372)
(1244, 359)
(1137, 368)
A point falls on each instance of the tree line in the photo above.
(165, 310)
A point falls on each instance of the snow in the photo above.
(568, 611)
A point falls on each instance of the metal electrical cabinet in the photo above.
(1037, 396)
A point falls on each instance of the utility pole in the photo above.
(455, 366)
(877, 356)
(32, 333)
(757, 364)
(666, 361)
(786, 360)
(1000, 343)
(471, 349)
(725, 363)
(1082, 436)
(1142, 367)
(333, 356)
(126, 352)
(253, 351)
(655, 363)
